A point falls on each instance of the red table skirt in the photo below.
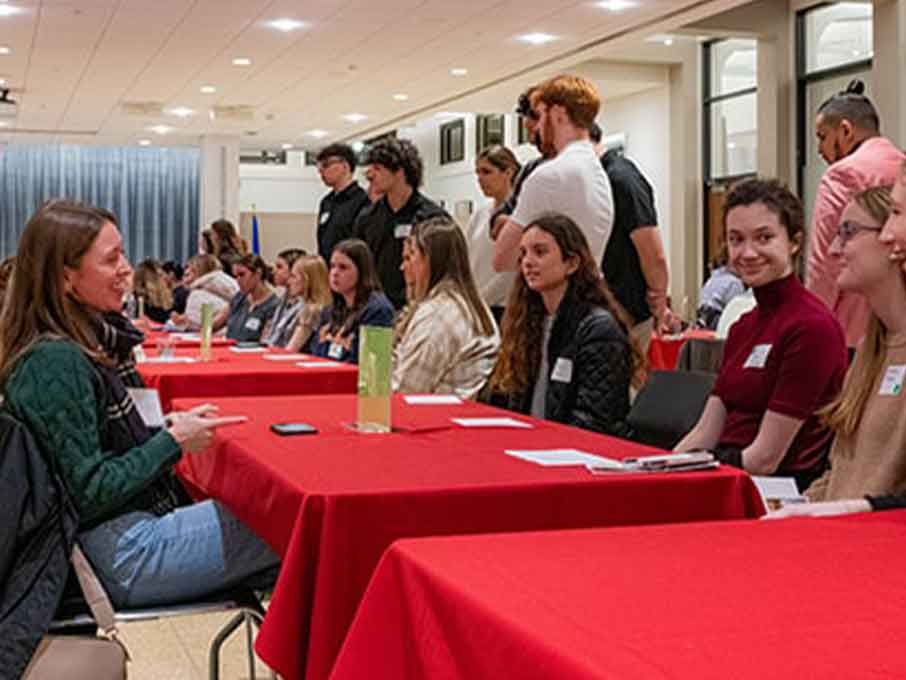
(330, 504)
(812, 598)
(230, 374)
(664, 351)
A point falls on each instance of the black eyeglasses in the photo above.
(848, 229)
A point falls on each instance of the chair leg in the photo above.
(249, 644)
(217, 643)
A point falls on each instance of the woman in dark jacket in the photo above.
(566, 353)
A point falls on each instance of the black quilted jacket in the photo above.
(597, 397)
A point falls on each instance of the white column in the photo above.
(889, 68)
(219, 179)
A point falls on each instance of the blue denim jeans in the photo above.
(144, 560)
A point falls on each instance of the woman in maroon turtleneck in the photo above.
(784, 360)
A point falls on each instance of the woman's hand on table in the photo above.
(194, 430)
(824, 509)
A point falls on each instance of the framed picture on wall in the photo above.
(489, 130)
(453, 141)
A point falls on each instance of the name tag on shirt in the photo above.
(335, 351)
(563, 370)
(253, 324)
(402, 231)
(892, 384)
(759, 357)
(325, 217)
(147, 403)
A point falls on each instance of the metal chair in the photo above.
(668, 406)
(73, 615)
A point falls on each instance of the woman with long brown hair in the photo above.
(566, 353)
(63, 373)
(449, 341)
(868, 419)
(151, 285)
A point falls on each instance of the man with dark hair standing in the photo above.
(849, 139)
(341, 207)
(573, 182)
(395, 172)
(634, 264)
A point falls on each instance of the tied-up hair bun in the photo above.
(855, 86)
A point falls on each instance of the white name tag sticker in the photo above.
(252, 324)
(147, 403)
(759, 357)
(563, 370)
(892, 383)
(325, 217)
(335, 351)
(402, 231)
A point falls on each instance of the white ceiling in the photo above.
(75, 63)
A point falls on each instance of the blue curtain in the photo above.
(153, 192)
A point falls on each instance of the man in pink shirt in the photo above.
(849, 139)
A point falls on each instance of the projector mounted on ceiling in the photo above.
(8, 107)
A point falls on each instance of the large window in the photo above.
(834, 46)
(730, 126)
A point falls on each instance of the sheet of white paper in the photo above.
(248, 350)
(187, 336)
(318, 364)
(148, 404)
(284, 357)
(779, 488)
(170, 360)
(490, 422)
(431, 399)
(550, 457)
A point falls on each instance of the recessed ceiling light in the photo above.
(2, 82)
(287, 147)
(617, 5)
(459, 71)
(286, 25)
(537, 38)
(9, 10)
(181, 111)
(207, 89)
(317, 133)
(3, 123)
(668, 41)
(242, 61)
(144, 142)
(5, 50)
(160, 129)
(355, 117)
(401, 97)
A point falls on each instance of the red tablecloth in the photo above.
(151, 338)
(664, 351)
(229, 374)
(330, 504)
(818, 598)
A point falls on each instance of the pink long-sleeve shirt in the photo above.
(874, 163)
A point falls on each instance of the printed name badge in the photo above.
(253, 324)
(563, 370)
(892, 384)
(325, 217)
(759, 357)
(402, 231)
(335, 351)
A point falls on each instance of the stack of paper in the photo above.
(557, 457)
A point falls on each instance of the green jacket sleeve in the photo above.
(56, 392)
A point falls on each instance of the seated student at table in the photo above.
(566, 353)
(449, 341)
(893, 237)
(784, 360)
(253, 306)
(64, 374)
(357, 301)
(207, 284)
(307, 283)
(279, 328)
(151, 286)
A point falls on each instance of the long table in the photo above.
(331, 503)
(233, 374)
(806, 598)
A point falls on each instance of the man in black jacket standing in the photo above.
(341, 207)
(395, 170)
